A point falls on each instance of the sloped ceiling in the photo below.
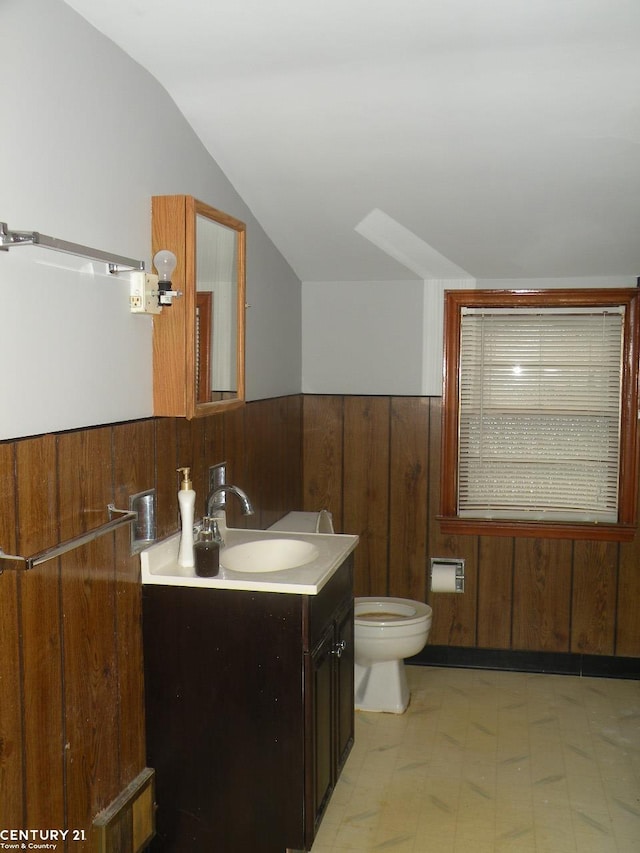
(502, 134)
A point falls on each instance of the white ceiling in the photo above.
(503, 136)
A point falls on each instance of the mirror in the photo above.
(199, 340)
(216, 310)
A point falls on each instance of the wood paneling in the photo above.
(166, 462)
(262, 459)
(628, 601)
(408, 489)
(542, 595)
(11, 743)
(88, 616)
(214, 441)
(192, 437)
(495, 592)
(37, 498)
(188, 452)
(72, 714)
(366, 489)
(594, 597)
(71, 720)
(520, 594)
(237, 446)
(7, 499)
(273, 432)
(10, 674)
(133, 455)
(41, 634)
(291, 453)
(322, 456)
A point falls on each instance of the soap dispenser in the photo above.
(207, 549)
(187, 503)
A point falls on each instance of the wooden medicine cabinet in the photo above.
(198, 342)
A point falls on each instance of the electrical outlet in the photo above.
(143, 293)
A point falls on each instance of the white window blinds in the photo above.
(539, 413)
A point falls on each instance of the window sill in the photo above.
(536, 529)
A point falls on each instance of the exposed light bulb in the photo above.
(165, 263)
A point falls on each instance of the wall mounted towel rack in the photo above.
(126, 517)
(115, 263)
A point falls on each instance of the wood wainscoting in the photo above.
(72, 727)
(375, 463)
(71, 712)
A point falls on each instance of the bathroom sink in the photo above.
(288, 560)
(268, 555)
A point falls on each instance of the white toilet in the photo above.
(387, 630)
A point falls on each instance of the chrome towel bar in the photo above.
(126, 517)
(115, 263)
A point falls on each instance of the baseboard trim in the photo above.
(555, 663)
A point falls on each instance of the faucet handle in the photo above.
(211, 531)
(217, 536)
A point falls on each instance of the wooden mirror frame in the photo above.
(173, 227)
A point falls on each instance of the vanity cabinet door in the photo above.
(328, 695)
(320, 732)
(344, 700)
(225, 728)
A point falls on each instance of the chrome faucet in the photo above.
(216, 500)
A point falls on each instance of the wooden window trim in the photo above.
(455, 300)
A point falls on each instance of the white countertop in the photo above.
(160, 567)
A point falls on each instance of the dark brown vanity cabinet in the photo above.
(329, 674)
(249, 705)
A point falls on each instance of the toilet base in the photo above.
(381, 687)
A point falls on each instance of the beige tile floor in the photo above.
(490, 762)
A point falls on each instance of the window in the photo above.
(539, 413)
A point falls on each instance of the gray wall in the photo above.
(88, 137)
(385, 337)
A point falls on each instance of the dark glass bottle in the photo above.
(207, 551)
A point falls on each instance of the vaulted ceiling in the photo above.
(501, 138)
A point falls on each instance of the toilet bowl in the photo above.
(387, 630)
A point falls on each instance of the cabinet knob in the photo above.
(339, 648)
